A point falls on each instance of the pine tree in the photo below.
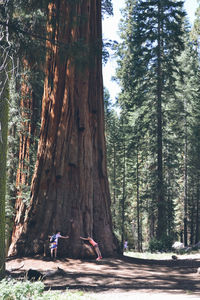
(26, 86)
(152, 39)
(5, 67)
(193, 112)
(195, 32)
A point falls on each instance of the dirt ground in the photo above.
(120, 277)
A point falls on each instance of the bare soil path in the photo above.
(120, 277)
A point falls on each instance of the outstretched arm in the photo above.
(64, 237)
(83, 238)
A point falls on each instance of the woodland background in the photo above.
(152, 138)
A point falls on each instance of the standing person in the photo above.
(95, 245)
(125, 245)
(54, 242)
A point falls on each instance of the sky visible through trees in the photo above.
(110, 32)
(158, 43)
(139, 140)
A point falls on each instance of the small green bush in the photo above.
(11, 289)
(164, 244)
(155, 245)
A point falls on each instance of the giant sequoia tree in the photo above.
(70, 187)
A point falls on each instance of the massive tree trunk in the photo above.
(70, 187)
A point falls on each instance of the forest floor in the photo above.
(117, 278)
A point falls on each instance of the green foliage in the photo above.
(17, 44)
(152, 40)
(11, 289)
(23, 21)
(18, 290)
(107, 7)
(164, 244)
(195, 32)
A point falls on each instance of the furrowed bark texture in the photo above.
(29, 113)
(70, 187)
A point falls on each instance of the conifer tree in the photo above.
(152, 39)
(5, 67)
(195, 32)
(26, 87)
(191, 94)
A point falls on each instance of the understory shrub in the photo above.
(162, 245)
(11, 289)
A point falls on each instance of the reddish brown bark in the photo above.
(28, 132)
(23, 170)
(70, 187)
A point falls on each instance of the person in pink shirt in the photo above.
(95, 246)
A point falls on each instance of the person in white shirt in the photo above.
(54, 243)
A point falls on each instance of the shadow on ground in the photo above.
(123, 273)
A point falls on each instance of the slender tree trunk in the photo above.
(123, 190)
(192, 217)
(161, 226)
(3, 158)
(151, 222)
(139, 225)
(185, 201)
(70, 187)
(114, 183)
(197, 197)
(197, 214)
